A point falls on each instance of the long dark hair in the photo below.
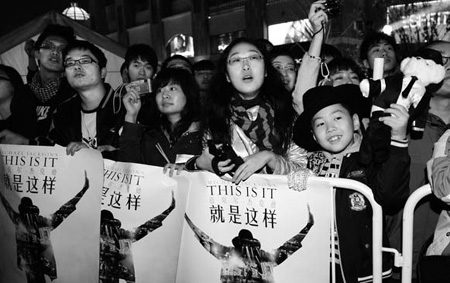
(218, 111)
(191, 111)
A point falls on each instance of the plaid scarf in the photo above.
(44, 92)
(256, 118)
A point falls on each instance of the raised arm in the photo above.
(295, 243)
(12, 214)
(214, 248)
(153, 223)
(66, 209)
(309, 69)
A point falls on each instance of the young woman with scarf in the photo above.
(249, 117)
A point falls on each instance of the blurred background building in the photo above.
(202, 28)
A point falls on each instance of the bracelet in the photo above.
(314, 57)
(297, 180)
(191, 164)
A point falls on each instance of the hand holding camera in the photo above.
(332, 8)
(142, 87)
(224, 152)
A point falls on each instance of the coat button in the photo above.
(366, 246)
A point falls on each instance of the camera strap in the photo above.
(214, 164)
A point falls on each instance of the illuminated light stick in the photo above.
(378, 68)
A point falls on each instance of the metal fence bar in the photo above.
(377, 220)
(407, 236)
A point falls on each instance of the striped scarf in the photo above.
(256, 118)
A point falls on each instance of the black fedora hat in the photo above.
(316, 99)
(245, 238)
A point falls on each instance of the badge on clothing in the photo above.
(357, 202)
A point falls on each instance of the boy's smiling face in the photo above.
(333, 128)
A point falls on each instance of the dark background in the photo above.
(14, 13)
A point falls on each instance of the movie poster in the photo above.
(141, 220)
(49, 214)
(257, 231)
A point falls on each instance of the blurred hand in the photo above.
(74, 147)
(251, 165)
(172, 168)
(9, 137)
(317, 16)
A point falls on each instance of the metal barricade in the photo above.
(377, 221)
(407, 236)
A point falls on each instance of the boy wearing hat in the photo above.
(329, 129)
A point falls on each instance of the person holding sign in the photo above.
(249, 117)
(87, 120)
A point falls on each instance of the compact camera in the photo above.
(332, 8)
(223, 152)
(142, 87)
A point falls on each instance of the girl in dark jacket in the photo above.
(177, 135)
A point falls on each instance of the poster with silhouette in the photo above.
(257, 231)
(142, 217)
(49, 214)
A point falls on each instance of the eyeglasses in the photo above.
(445, 59)
(251, 59)
(51, 47)
(203, 73)
(288, 68)
(82, 61)
(2, 78)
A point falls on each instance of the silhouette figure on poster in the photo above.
(116, 260)
(245, 261)
(34, 248)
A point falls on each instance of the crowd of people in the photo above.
(258, 109)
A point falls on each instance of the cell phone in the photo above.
(143, 87)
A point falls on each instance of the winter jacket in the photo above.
(67, 123)
(43, 111)
(389, 184)
(152, 146)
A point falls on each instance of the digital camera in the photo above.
(223, 152)
(142, 87)
(332, 8)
